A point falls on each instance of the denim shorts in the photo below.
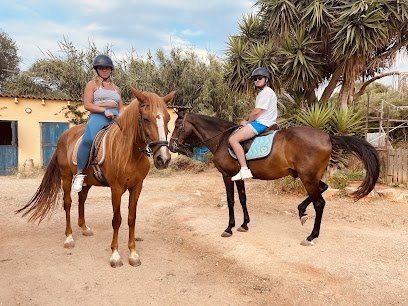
(257, 127)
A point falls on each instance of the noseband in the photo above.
(186, 149)
(151, 146)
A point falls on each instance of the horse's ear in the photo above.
(169, 97)
(137, 93)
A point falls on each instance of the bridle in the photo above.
(187, 148)
(151, 146)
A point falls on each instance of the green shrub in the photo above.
(338, 181)
(285, 185)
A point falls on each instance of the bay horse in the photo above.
(302, 152)
(142, 125)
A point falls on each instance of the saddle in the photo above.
(96, 155)
(259, 146)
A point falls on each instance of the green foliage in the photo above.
(287, 185)
(338, 181)
(9, 59)
(315, 41)
(316, 116)
(332, 119)
(198, 82)
(74, 114)
(347, 121)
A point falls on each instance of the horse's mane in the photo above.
(124, 139)
(221, 123)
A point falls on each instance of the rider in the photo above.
(262, 116)
(103, 100)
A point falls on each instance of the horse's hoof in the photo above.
(306, 242)
(225, 234)
(115, 260)
(242, 229)
(303, 219)
(69, 242)
(134, 259)
(87, 232)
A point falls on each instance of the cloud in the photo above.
(189, 32)
(143, 25)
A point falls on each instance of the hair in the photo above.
(123, 139)
(98, 81)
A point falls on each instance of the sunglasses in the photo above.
(104, 68)
(257, 78)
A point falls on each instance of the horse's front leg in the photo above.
(242, 200)
(229, 188)
(86, 230)
(134, 194)
(115, 260)
(66, 187)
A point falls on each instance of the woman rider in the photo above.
(103, 100)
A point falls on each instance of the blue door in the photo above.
(50, 133)
(8, 147)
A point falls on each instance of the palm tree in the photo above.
(308, 43)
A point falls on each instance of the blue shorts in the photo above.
(257, 127)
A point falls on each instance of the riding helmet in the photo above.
(102, 60)
(261, 71)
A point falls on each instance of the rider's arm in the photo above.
(255, 114)
(88, 99)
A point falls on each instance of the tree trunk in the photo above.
(328, 91)
(363, 88)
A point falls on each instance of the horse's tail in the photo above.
(367, 154)
(48, 194)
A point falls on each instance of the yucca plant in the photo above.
(347, 121)
(316, 116)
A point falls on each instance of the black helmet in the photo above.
(102, 60)
(261, 71)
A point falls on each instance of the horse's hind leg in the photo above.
(229, 188)
(318, 203)
(242, 200)
(69, 240)
(86, 231)
(302, 206)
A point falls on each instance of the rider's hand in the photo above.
(108, 114)
(243, 122)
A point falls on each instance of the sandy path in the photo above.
(360, 258)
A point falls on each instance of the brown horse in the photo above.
(300, 152)
(141, 126)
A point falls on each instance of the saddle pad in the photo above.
(260, 148)
(100, 156)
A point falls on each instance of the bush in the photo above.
(285, 185)
(338, 181)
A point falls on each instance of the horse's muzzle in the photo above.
(161, 155)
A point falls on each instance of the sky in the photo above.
(140, 25)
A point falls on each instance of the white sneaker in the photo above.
(78, 182)
(244, 173)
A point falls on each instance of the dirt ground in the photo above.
(360, 258)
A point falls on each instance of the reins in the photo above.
(206, 140)
(156, 145)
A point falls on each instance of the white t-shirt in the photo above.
(267, 100)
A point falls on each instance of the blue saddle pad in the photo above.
(260, 147)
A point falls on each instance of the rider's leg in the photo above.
(244, 133)
(95, 123)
